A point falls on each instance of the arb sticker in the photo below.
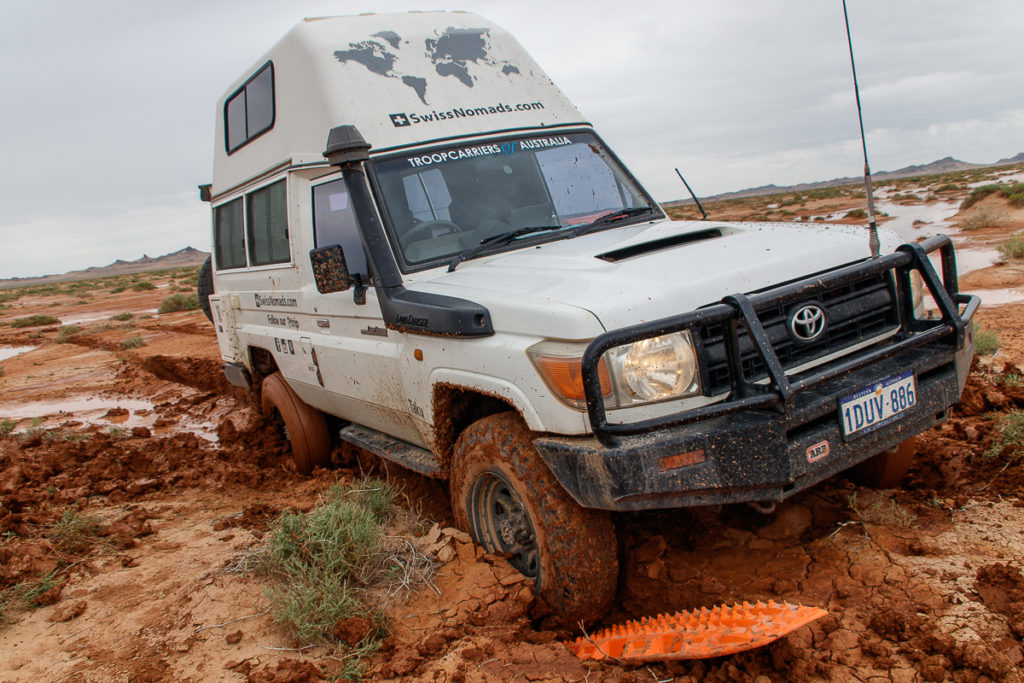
(817, 451)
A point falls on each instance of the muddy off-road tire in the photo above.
(204, 287)
(507, 498)
(887, 469)
(305, 427)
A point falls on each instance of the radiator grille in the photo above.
(855, 312)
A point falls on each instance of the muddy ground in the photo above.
(921, 584)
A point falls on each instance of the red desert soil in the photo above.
(921, 584)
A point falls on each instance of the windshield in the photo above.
(445, 202)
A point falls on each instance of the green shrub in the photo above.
(133, 342)
(977, 194)
(7, 427)
(118, 289)
(143, 286)
(986, 342)
(65, 333)
(856, 213)
(30, 593)
(325, 560)
(122, 316)
(984, 217)
(179, 302)
(1011, 435)
(35, 321)
(1014, 193)
(74, 532)
(1012, 247)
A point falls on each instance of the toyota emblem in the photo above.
(807, 323)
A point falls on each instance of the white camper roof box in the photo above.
(400, 79)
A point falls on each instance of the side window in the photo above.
(228, 235)
(267, 218)
(250, 111)
(335, 223)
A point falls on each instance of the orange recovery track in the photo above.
(696, 634)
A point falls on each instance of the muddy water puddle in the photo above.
(104, 316)
(998, 297)
(913, 221)
(77, 406)
(1001, 178)
(90, 318)
(12, 351)
(107, 412)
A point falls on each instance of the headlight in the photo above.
(647, 371)
(655, 369)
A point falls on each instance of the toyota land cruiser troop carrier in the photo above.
(421, 247)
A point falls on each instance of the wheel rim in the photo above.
(500, 522)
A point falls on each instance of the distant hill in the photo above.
(946, 165)
(1012, 160)
(178, 259)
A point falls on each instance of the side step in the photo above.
(388, 447)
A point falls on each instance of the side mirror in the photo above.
(329, 269)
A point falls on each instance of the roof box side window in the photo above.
(249, 112)
(267, 218)
(228, 235)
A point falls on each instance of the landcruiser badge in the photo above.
(807, 322)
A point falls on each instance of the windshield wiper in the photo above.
(611, 218)
(497, 240)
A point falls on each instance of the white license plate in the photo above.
(878, 404)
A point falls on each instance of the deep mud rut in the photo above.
(921, 584)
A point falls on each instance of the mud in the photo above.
(181, 479)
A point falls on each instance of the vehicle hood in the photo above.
(650, 280)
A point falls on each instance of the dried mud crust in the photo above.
(577, 549)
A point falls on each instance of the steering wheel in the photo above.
(416, 233)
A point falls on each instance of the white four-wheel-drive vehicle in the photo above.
(422, 248)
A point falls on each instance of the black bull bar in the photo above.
(740, 309)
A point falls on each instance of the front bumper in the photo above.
(766, 442)
(753, 455)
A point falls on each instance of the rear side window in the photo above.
(249, 112)
(267, 214)
(229, 235)
(334, 223)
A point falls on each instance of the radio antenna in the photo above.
(872, 225)
(699, 205)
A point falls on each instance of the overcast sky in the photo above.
(107, 108)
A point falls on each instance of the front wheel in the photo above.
(507, 498)
(304, 426)
(887, 469)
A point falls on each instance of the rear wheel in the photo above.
(507, 498)
(304, 427)
(887, 469)
(204, 287)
